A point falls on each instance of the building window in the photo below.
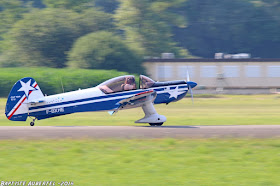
(164, 72)
(273, 71)
(231, 71)
(184, 70)
(253, 71)
(208, 71)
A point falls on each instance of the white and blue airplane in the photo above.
(27, 100)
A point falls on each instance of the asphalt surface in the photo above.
(140, 132)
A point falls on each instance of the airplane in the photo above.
(27, 100)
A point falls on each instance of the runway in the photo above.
(139, 132)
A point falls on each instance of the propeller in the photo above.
(189, 83)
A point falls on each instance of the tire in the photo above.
(155, 124)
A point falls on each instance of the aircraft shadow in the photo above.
(175, 127)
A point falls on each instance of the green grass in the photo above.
(143, 162)
(221, 110)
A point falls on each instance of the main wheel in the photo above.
(32, 123)
(155, 124)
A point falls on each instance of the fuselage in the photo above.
(93, 99)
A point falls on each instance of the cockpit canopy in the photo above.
(146, 82)
(127, 82)
(118, 84)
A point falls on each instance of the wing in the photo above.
(137, 100)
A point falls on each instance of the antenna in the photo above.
(61, 84)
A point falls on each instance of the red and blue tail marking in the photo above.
(23, 91)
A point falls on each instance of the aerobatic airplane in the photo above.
(27, 100)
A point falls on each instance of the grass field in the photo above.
(143, 162)
(219, 110)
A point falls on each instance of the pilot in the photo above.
(129, 84)
(146, 83)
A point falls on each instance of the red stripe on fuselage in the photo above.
(144, 92)
(21, 103)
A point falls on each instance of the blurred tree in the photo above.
(229, 26)
(271, 3)
(271, 6)
(103, 50)
(34, 3)
(108, 6)
(79, 5)
(10, 12)
(92, 20)
(42, 38)
(76, 5)
(147, 25)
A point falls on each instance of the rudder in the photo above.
(23, 91)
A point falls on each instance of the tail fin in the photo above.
(22, 92)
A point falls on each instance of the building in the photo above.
(240, 76)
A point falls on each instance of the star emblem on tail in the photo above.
(26, 87)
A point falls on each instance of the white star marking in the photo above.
(174, 93)
(26, 87)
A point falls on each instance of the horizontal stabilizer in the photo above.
(36, 102)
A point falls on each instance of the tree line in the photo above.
(117, 34)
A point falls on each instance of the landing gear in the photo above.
(151, 115)
(156, 124)
(32, 123)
